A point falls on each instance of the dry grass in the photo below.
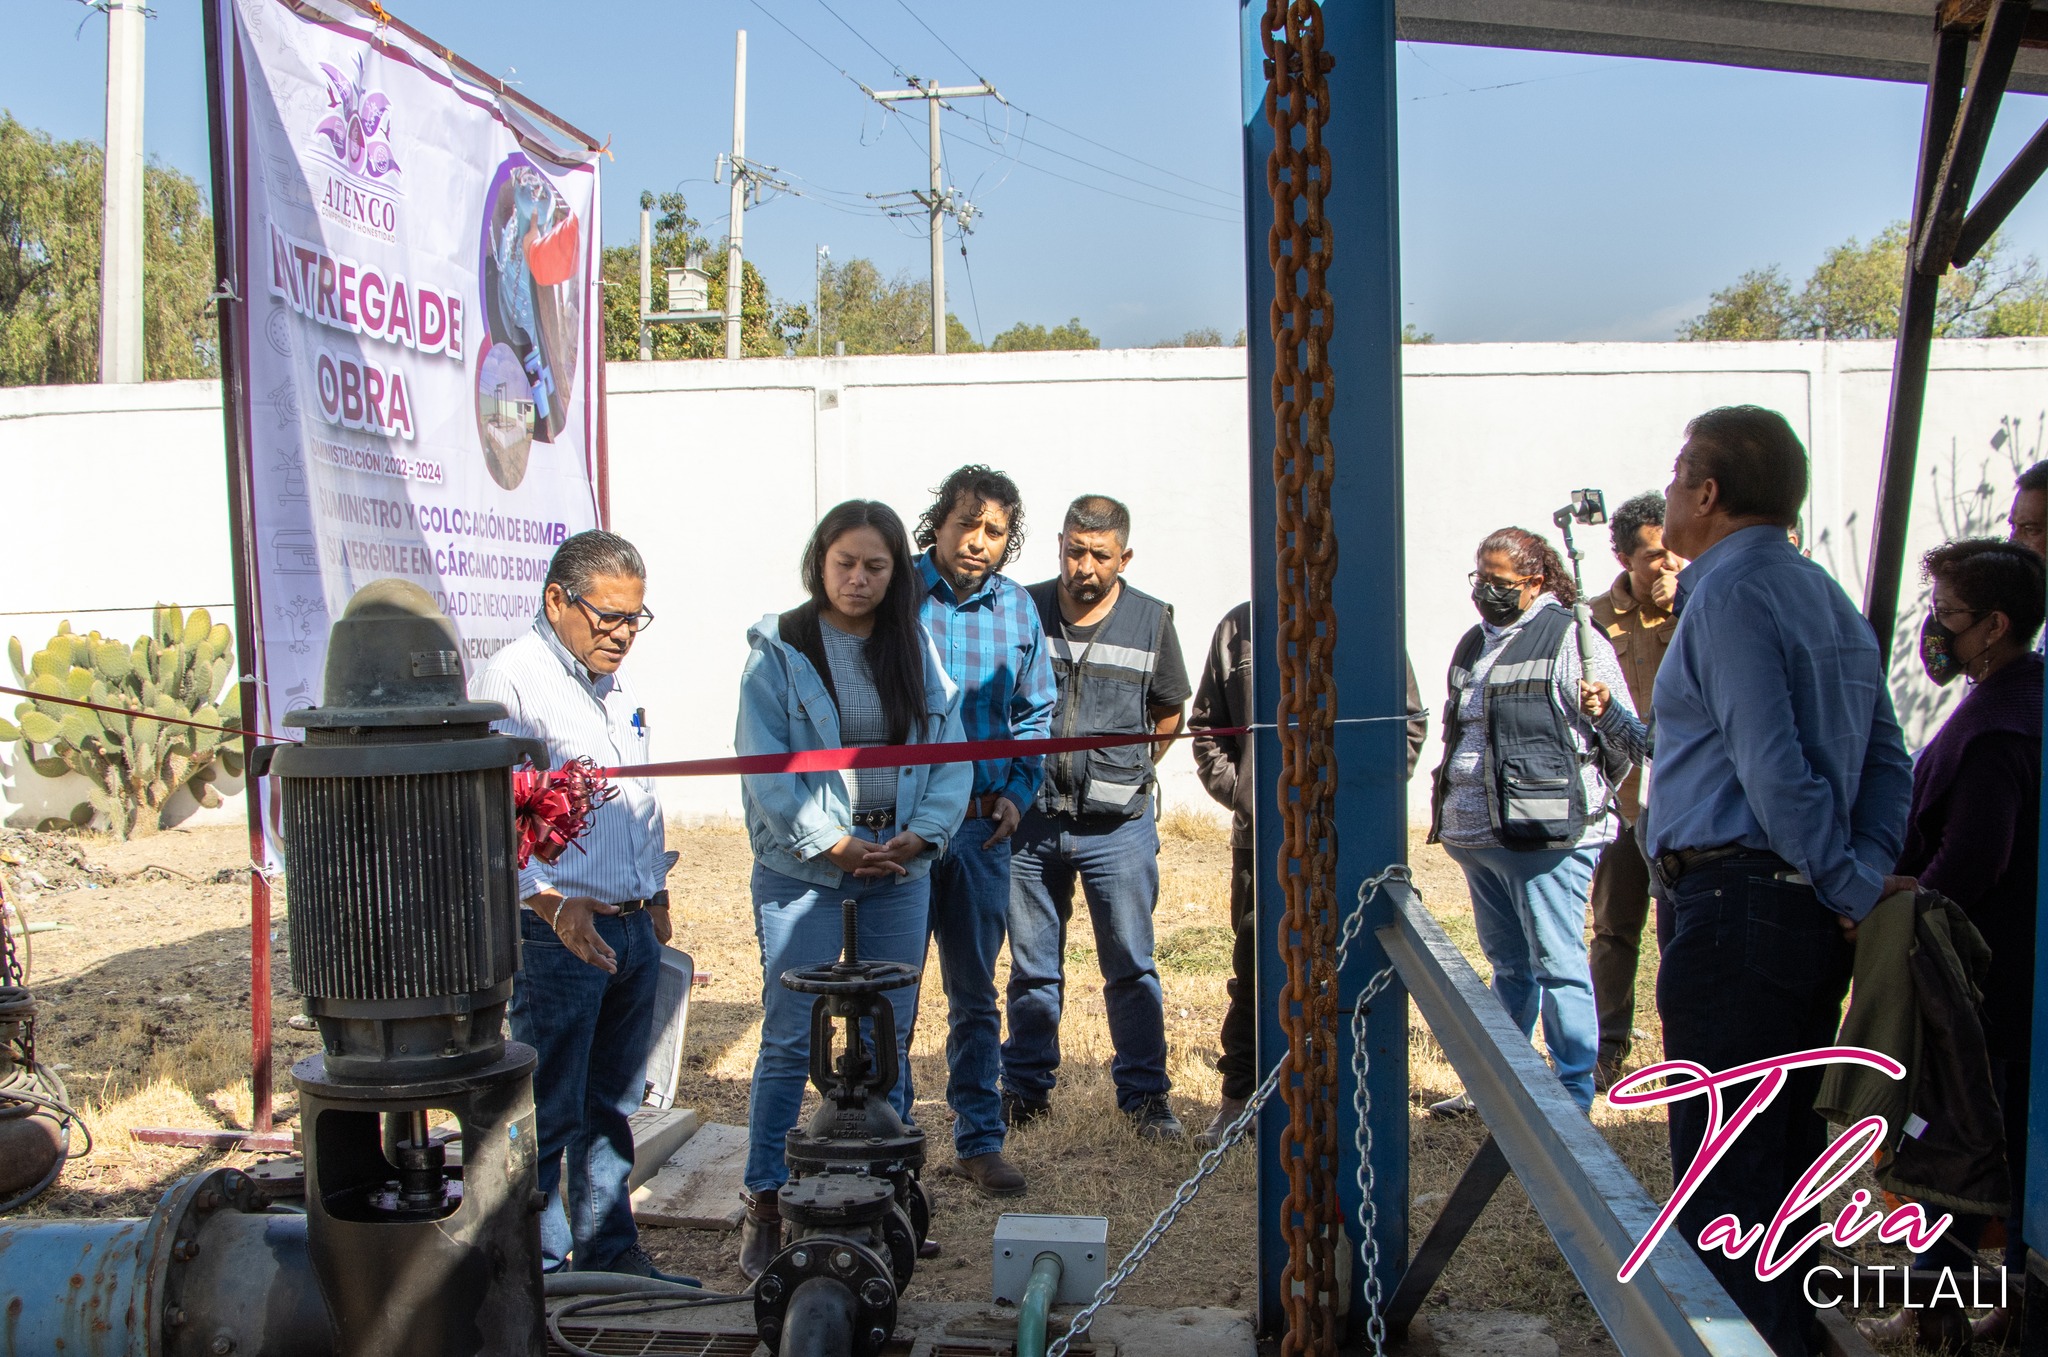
(145, 999)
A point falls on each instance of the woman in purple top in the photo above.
(1974, 829)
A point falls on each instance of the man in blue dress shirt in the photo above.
(1776, 811)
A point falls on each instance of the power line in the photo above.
(1142, 202)
(1024, 135)
(980, 332)
(942, 42)
(807, 44)
(862, 36)
(1057, 127)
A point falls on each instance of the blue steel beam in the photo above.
(1366, 505)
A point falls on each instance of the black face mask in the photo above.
(1499, 604)
(1938, 650)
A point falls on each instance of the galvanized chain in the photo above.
(1238, 1130)
(1361, 1108)
(1298, 248)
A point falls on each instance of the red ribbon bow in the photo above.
(553, 809)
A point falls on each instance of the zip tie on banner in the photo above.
(143, 715)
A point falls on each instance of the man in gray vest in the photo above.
(1120, 673)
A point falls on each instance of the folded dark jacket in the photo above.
(1917, 997)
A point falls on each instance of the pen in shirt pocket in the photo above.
(640, 722)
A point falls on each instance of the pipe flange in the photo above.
(855, 1266)
(836, 1201)
(879, 1156)
(172, 1242)
(901, 1238)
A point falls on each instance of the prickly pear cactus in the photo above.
(134, 762)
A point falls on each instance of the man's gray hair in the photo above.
(583, 558)
(1099, 513)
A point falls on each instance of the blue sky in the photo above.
(1544, 196)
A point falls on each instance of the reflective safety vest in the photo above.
(1103, 682)
(1536, 799)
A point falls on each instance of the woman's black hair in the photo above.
(1991, 575)
(895, 650)
(1533, 555)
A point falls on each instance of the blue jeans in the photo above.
(1116, 863)
(1530, 909)
(593, 1032)
(1754, 968)
(798, 924)
(970, 901)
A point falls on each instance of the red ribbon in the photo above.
(553, 809)
(902, 755)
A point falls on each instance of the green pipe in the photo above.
(1038, 1298)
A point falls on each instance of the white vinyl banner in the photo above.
(416, 264)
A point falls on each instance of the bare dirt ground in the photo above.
(145, 995)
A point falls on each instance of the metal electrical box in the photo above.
(1082, 1242)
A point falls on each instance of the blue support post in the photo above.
(1366, 501)
(2034, 1218)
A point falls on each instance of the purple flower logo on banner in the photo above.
(358, 131)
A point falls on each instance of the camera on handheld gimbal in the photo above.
(1587, 507)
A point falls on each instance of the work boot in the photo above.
(1153, 1119)
(1019, 1113)
(1460, 1106)
(1607, 1073)
(760, 1232)
(1228, 1111)
(994, 1175)
(635, 1262)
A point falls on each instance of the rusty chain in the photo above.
(1298, 248)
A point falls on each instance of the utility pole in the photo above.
(818, 296)
(735, 274)
(646, 277)
(938, 202)
(121, 220)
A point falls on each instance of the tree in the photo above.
(872, 314)
(1206, 337)
(1025, 336)
(1411, 333)
(1856, 290)
(764, 327)
(51, 193)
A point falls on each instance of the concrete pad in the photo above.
(699, 1187)
(1491, 1333)
(658, 1132)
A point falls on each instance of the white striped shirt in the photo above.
(552, 697)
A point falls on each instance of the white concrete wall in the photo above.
(719, 470)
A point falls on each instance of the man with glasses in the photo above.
(591, 924)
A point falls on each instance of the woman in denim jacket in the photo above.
(852, 666)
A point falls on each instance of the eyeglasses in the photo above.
(1951, 612)
(610, 622)
(1475, 579)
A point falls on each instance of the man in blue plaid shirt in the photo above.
(988, 633)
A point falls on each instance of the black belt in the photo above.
(1673, 866)
(626, 907)
(874, 819)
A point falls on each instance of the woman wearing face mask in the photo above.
(850, 666)
(1974, 828)
(1523, 798)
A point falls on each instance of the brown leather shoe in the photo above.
(993, 1174)
(760, 1232)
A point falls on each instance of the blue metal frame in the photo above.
(2034, 1222)
(1366, 500)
